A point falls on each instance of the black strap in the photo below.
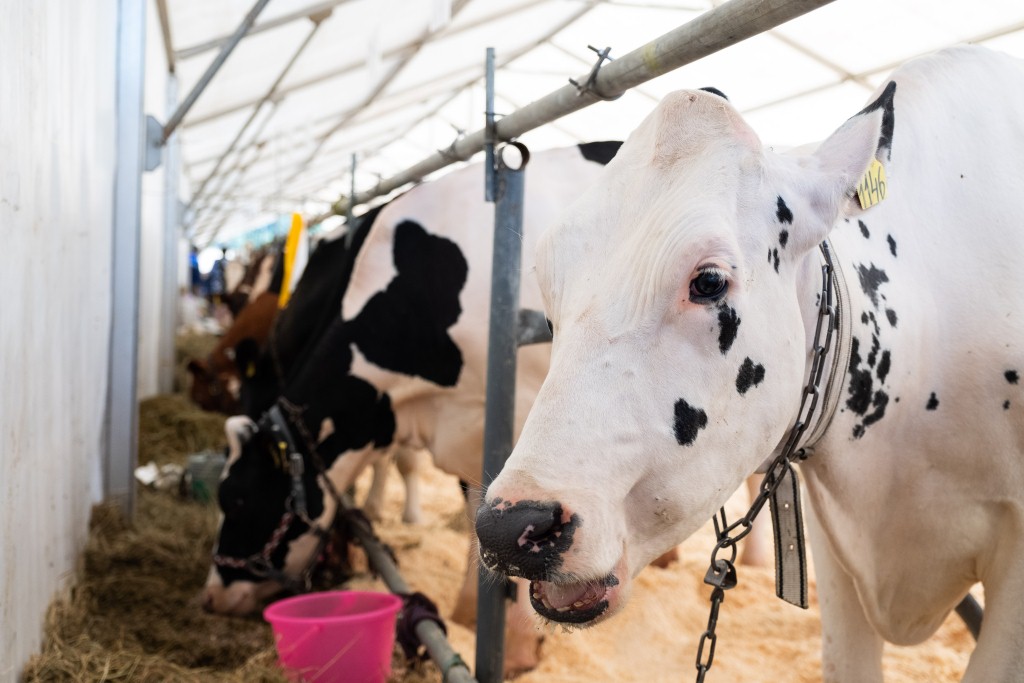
(415, 608)
(790, 558)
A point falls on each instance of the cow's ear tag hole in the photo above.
(872, 187)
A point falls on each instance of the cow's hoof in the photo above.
(666, 558)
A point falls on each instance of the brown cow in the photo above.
(215, 379)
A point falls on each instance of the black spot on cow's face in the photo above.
(750, 375)
(1006, 405)
(871, 278)
(864, 229)
(782, 212)
(783, 238)
(1011, 376)
(728, 326)
(933, 402)
(405, 327)
(773, 258)
(891, 315)
(892, 245)
(688, 421)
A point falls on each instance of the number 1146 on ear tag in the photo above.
(872, 187)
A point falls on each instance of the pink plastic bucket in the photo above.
(335, 636)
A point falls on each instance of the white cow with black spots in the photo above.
(683, 289)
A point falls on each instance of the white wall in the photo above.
(57, 146)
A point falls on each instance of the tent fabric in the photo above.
(392, 81)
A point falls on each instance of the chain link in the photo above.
(722, 572)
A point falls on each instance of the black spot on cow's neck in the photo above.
(883, 366)
(873, 353)
(1006, 405)
(405, 327)
(871, 278)
(715, 91)
(933, 402)
(750, 375)
(1011, 376)
(885, 102)
(600, 152)
(864, 229)
(783, 238)
(773, 258)
(688, 421)
(782, 212)
(861, 382)
(892, 245)
(891, 315)
(728, 326)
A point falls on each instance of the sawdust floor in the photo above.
(133, 612)
(655, 637)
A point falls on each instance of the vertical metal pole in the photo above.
(499, 415)
(122, 411)
(350, 232)
(489, 168)
(172, 233)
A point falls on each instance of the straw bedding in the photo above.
(132, 613)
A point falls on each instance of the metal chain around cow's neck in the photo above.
(721, 575)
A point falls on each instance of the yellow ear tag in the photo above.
(250, 370)
(872, 187)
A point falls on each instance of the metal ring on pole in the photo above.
(524, 155)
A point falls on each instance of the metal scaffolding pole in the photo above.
(349, 67)
(725, 25)
(211, 70)
(172, 235)
(122, 415)
(317, 22)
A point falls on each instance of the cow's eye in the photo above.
(709, 286)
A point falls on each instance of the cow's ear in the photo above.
(844, 158)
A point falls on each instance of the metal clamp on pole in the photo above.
(590, 85)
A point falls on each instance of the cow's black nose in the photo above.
(524, 539)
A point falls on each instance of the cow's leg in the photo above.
(851, 650)
(373, 506)
(408, 461)
(999, 655)
(465, 606)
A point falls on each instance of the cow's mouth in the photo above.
(577, 602)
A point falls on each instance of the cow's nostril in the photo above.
(525, 539)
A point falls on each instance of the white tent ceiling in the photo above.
(392, 81)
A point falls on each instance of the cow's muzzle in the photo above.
(526, 539)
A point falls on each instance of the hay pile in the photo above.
(133, 612)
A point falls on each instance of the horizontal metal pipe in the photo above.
(725, 25)
(430, 634)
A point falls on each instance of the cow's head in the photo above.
(675, 288)
(349, 419)
(215, 387)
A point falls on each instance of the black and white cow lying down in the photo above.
(403, 366)
(684, 288)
